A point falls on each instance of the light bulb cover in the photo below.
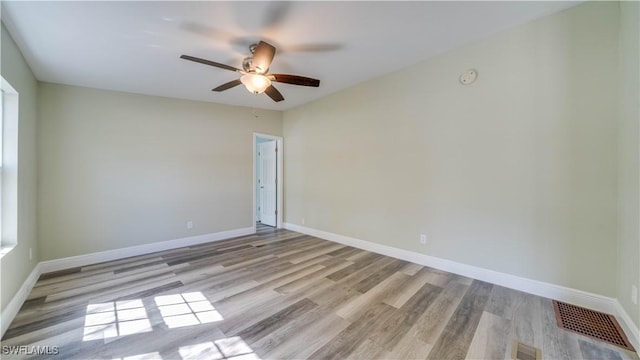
(255, 83)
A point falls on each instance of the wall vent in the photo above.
(522, 351)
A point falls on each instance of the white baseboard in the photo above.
(65, 263)
(18, 299)
(109, 255)
(548, 290)
(629, 327)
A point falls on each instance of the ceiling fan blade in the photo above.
(316, 47)
(295, 80)
(263, 56)
(209, 62)
(276, 14)
(228, 85)
(274, 94)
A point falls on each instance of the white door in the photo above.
(267, 181)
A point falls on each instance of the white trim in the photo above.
(280, 156)
(4, 250)
(65, 263)
(18, 299)
(552, 291)
(574, 296)
(9, 182)
(87, 259)
(629, 327)
(6, 87)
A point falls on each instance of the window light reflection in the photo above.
(112, 319)
(233, 348)
(147, 356)
(186, 309)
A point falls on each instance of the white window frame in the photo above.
(8, 159)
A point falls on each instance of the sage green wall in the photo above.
(15, 266)
(119, 169)
(516, 173)
(629, 159)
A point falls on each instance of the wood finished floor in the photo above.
(284, 295)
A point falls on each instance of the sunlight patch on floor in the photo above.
(186, 309)
(229, 348)
(117, 318)
(147, 356)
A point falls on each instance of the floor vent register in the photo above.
(593, 324)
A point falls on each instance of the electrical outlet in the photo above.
(634, 294)
(302, 221)
(190, 224)
(423, 239)
(30, 254)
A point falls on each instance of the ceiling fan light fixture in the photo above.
(255, 73)
(255, 83)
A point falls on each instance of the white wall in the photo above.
(15, 266)
(629, 159)
(119, 169)
(516, 173)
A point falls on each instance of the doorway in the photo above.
(267, 192)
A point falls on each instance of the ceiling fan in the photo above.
(255, 76)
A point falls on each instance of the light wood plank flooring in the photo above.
(283, 295)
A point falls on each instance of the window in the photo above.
(1, 132)
(2, 247)
(8, 167)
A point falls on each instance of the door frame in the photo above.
(279, 174)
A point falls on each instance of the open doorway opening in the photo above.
(267, 189)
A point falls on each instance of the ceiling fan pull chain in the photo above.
(254, 110)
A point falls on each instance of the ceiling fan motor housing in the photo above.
(247, 64)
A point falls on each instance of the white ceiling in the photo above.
(135, 46)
